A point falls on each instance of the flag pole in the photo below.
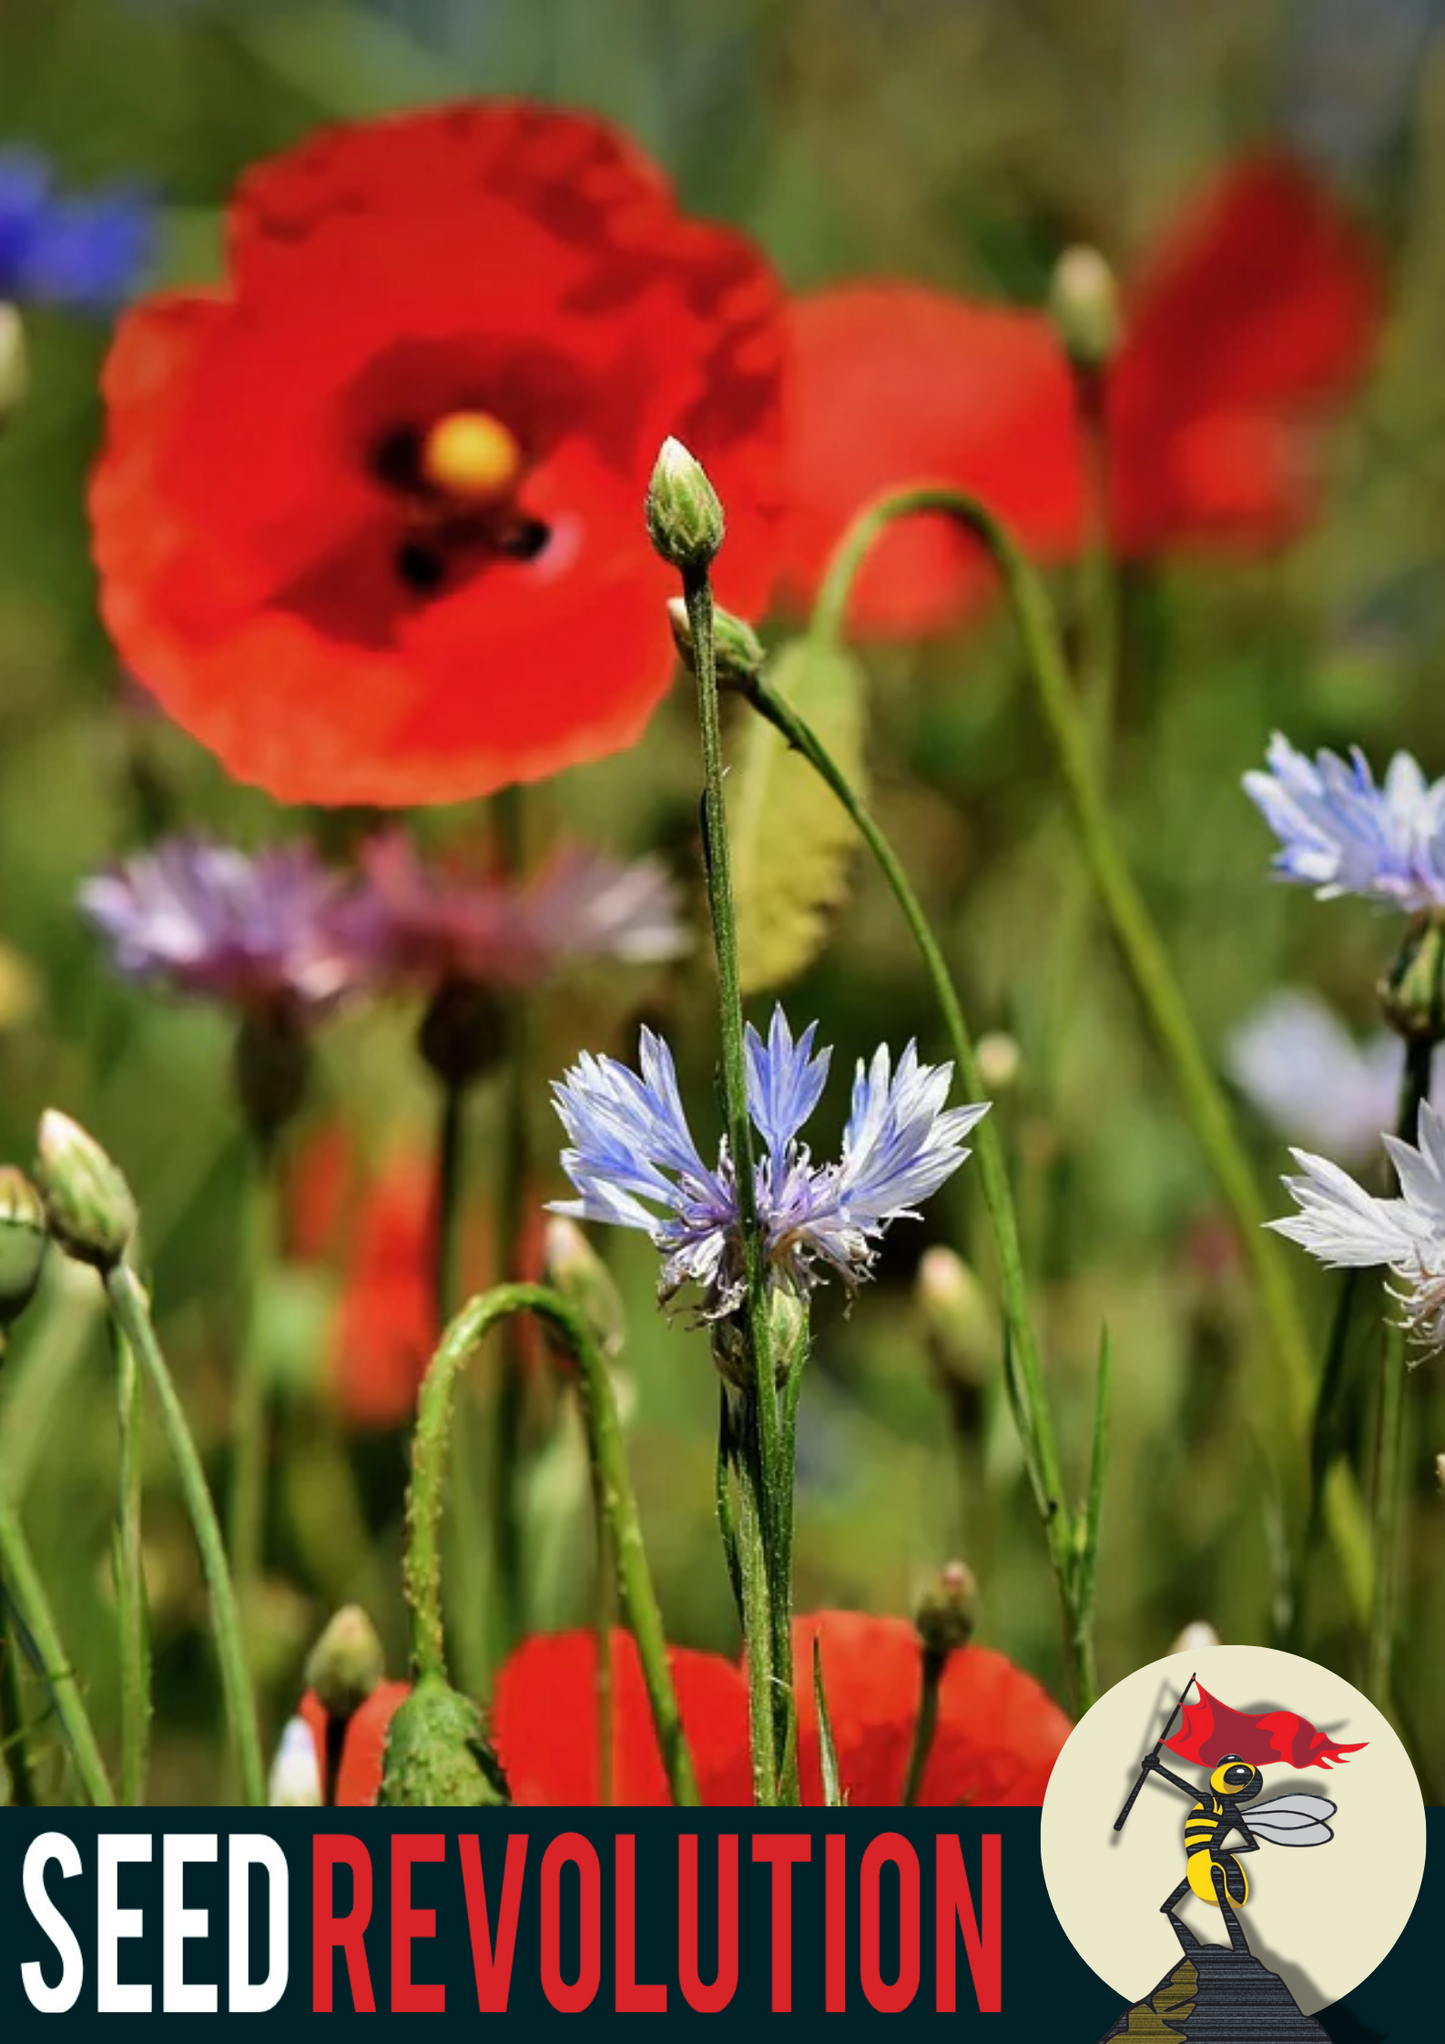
(1143, 1765)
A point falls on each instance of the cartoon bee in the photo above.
(1215, 1875)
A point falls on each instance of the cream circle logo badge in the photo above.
(1232, 1836)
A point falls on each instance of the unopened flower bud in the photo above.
(737, 649)
(295, 1779)
(24, 1236)
(999, 1058)
(1440, 1472)
(346, 1663)
(572, 1267)
(946, 1615)
(1195, 1638)
(1413, 995)
(437, 1756)
(959, 1316)
(684, 517)
(87, 1201)
(1084, 307)
(14, 370)
(463, 1033)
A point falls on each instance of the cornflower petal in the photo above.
(1340, 833)
(785, 1080)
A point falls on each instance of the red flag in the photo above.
(1211, 1730)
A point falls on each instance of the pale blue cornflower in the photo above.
(1347, 1227)
(1340, 833)
(635, 1164)
(1310, 1079)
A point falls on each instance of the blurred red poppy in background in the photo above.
(997, 1738)
(369, 517)
(1256, 311)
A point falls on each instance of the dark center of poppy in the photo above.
(459, 478)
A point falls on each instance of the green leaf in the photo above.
(1094, 1505)
(833, 1794)
(792, 842)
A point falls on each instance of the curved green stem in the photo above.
(131, 1311)
(246, 1503)
(135, 1655)
(422, 1574)
(1143, 954)
(21, 1582)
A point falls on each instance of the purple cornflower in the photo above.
(633, 1154)
(84, 252)
(422, 926)
(259, 933)
(1341, 834)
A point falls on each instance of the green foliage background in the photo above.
(964, 145)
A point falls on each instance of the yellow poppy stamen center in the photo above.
(473, 457)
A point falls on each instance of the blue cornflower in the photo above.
(257, 933)
(1341, 834)
(634, 1162)
(83, 252)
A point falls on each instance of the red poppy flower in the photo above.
(369, 518)
(997, 1738)
(381, 1229)
(358, 1777)
(1256, 310)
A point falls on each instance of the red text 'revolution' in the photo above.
(876, 1941)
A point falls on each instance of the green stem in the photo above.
(246, 1502)
(20, 1581)
(756, 1587)
(1145, 958)
(773, 1499)
(1390, 1414)
(1098, 570)
(422, 1575)
(513, 1179)
(1037, 1433)
(14, 1733)
(135, 1653)
(925, 1725)
(131, 1311)
(471, 1616)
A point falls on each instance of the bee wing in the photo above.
(1292, 1820)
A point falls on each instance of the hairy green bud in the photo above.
(87, 1201)
(24, 1237)
(437, 1756)
(572, 1267)
(1084, 307)
(684, 517)
(346, 1663)
(946, 1615)
(1413, 993)
(737, 649)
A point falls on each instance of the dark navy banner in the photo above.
(859, 1915)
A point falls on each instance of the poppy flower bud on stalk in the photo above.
(739, 650)
(88, 1203)
(572, 1267)
(684, 517)
(14, 370)
(1413, 993)
(1084, 307)
(946, 1615)
(437, 1754)
(346, 1663)
(24, 1236)
(1195, 1638)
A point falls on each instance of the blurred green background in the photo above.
(964, 144)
